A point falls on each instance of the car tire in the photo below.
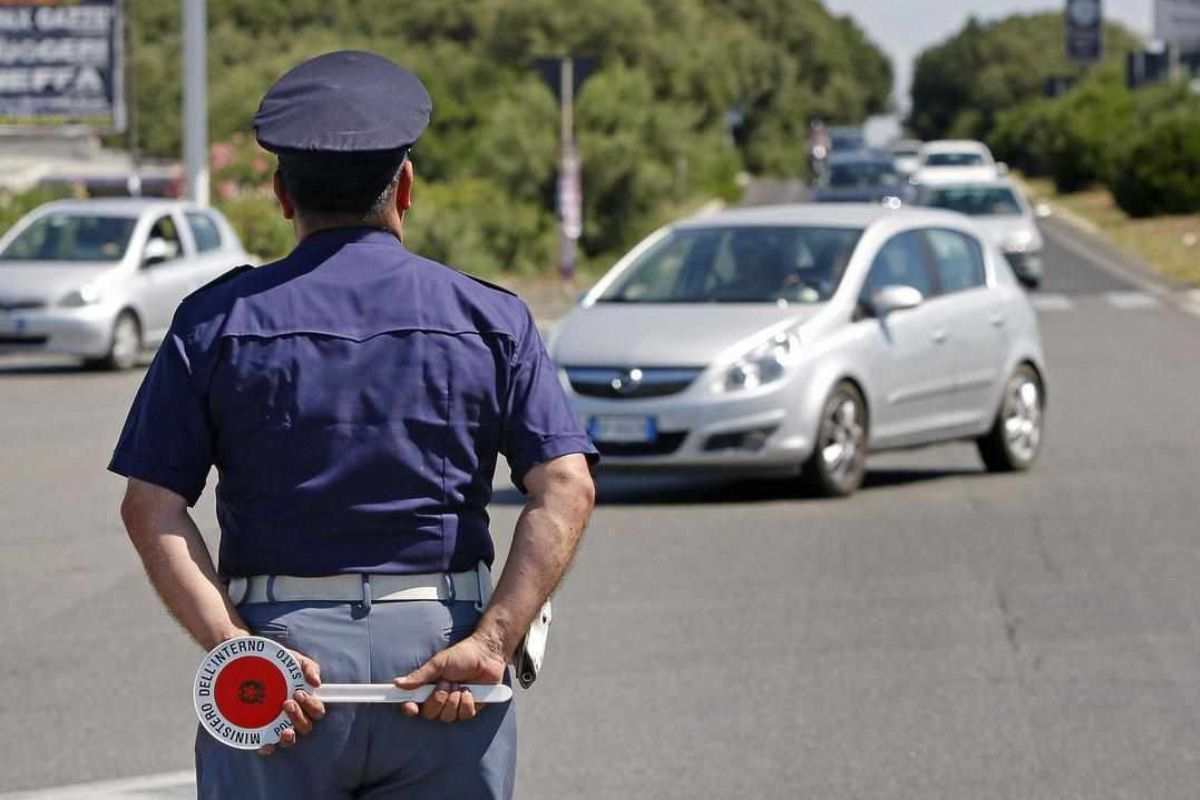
(124, 344)
(1015, 440)
(839, 459)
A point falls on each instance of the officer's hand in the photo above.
(470, 661)
(303, 709)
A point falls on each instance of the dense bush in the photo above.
(962, 86)
(651, 121)
(1158, 170)
(15, 206)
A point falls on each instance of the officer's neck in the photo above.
(308, 224)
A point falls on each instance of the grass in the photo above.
(1169, 245)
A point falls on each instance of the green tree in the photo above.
(652, 121)
(961, 86)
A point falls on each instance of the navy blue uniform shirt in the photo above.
(354, 398)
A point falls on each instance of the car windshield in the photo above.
(977, 201)
(71, 237)
(954, 160)
(862, 174)
(738, 265)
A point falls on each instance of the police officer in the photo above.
(354, 397)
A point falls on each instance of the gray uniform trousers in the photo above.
(368, 751)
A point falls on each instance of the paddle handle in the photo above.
(387, 693)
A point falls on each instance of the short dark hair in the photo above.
(351, 184)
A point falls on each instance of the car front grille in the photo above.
(9, 304)
(664, 445)
(615, 383)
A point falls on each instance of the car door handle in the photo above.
(940, 336)
(997, 320)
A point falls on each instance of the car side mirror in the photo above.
(1001, 168)
(891, 299)
(157, 251)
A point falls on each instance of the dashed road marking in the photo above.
(1051, 302)
(1132, 300)
(166, 786)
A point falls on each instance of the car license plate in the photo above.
(626, 430)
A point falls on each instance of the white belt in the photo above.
(474, 586)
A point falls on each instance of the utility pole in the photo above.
(564, 75)
(570, 198)
(195, 100)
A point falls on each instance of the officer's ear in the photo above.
(404, 186)
(285, 201)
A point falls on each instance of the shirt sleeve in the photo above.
(167, 438)
(540, 424)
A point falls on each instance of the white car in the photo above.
(799, 338)
(906, 154)
(1000, 211)
(100, 279)
(956, 161)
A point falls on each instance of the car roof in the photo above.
(993, 183)
(119, 206)
(963, 145)
(823, 215)
(866, 154)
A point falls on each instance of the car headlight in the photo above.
(85, 295)
(1019, 242)
(764, 364)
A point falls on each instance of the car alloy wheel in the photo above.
(838, 462)
(1015, 440)
(126, 343)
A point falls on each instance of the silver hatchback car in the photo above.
(800, 338)
(101, 279)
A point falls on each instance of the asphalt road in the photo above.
(944, 634)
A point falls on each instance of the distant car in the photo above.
(862, 176)
(1000, 211)
(906, 155)
(100, 279)
(845, 138)
(796, 339)
(956, 161)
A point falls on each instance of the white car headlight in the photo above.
(1019, 241)
(764, 364)
(85, 295)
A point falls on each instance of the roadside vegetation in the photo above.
(1127, 161)
(654, 120)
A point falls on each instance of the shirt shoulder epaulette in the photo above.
(224, 276)
(489, 284)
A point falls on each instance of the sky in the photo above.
(906, 27)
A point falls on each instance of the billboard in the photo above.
(1177, 22)
(1085, 31)
(61, 63)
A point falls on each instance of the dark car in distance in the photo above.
(862, 176)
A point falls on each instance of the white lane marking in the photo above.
(1190, 302)
(171, 784)
(1051, 302)
(1131, 300)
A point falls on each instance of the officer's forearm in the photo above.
(548, 532)
(179, 567)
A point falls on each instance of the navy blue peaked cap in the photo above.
(347, 101)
